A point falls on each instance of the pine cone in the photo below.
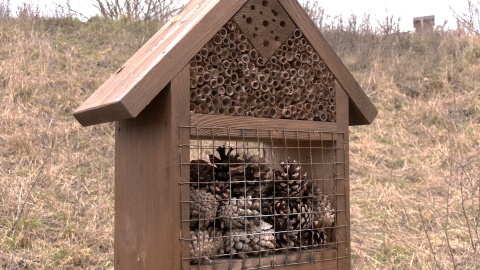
(239, 213)
(226, 161)
(203, 208)
(253, 178)
(200, 171)
(313, 238)
(262, 239)
(205, 244)
(289, 181)
(221, 190)
(291, 217)
(323, 212)
(237, 242)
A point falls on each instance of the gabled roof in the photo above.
(150, 69)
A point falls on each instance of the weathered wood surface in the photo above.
(147, 201)
(363, 108)
(220, 126)
(149, 70)
(343, 184)
(305, 260)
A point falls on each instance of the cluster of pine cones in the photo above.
(240, 207)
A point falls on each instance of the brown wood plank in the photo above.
(343, 199)
(147, 201)
(262, 128)
(323, 259)
(366, 110)
(148, 71)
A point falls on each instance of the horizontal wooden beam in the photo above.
(305, 260)
(251, 128)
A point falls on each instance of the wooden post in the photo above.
(343, 184)
(147, 201)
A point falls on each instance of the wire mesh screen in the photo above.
(260, 198)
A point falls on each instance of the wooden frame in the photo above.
(149, 97)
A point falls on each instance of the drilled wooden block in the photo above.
(266, 24)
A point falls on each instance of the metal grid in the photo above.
(263, 199)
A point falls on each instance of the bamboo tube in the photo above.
(262, 78)
(297, 33)
(264, 88)
(226, 64)
(245, 58)
(257, 102)
(309, 49)
(230, 111)
(331, 90)
(300, 82)
(260, 61)
(239, 89)
(251, 66)
(229, 90)
(315, 57)
(279, 52)
(199, 80)
(250, 114)
(214, 73)
(233, 55)
(272, 112)
(288, 84)
(193, 84)
(209, 46)
(289, 56)
(299, 106)
(285, 75)
(245, 73)
(225, 42)
(206, 76)
(211, 109)
(331, 117)
(284, 48)
(204, 52)
(318, 73)
(304, 58)
(228, 72)
(253, 54)
(293, 72)
(323, 116)
(309, 116)
(193, 64)
(271, 99)
(242, 47)
(226, 101)
(242, 38)
(304, 42)
(244, 81)
(286, 66)
(280, 105)
(228, 81)
(290, 43)
(301, 72)
(276, 83)
(200, 70)
(193, 107)
(269, 66)
(198, 58)
(241, 65)
(311, 97)
(232, 37)
(297, 64)
(231, 26)
(213, 83)
(332, 101)
(321, 65)
(245, 107)
(249, 46)
(223, 32)
(270, 81)
(239, 110)
(203, 108)
(301, 115)
(278, 68)
(309, 88)
(273, 60)
(232, 46)
(206, 90)
(221, 90)
(286, 113)
(296, 97)
(217, 49)
(295, 88)
(215, 60)
(198, 92)
(234, 78)
(287, 100)
(221, 111)
(217, 39)
(316, 112)
(193, 95)
(254, 84)
(258, 113)
(308, 107)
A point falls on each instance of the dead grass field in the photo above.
(415, 186)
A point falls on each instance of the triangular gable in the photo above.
(156, 63)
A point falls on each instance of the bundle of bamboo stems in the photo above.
(229, 77)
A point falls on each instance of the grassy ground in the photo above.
(415, 187)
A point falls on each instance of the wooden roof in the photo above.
(132, 87)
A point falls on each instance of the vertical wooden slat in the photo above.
(343, 190)
(147, 200)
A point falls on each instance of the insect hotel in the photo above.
(231, 142)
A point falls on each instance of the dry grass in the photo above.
(414, 172)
